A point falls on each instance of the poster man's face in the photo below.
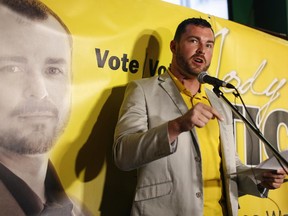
(35, 82)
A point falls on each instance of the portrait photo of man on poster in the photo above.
(35, 103)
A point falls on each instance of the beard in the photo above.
(29, 134)
(37, 139)
(28, 144)
(187, 66)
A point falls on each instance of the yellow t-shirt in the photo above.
(209, 144)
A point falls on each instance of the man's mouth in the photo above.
(37, 114)
(35, 111)
(198, 60)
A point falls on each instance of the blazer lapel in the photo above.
(171, 89)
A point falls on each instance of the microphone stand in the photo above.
(253, 128)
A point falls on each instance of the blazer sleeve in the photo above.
(135, 142)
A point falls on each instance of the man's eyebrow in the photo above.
(199, 38)
(55, 61)
(19, 59)
(211, 41)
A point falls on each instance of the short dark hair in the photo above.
(190, 21)
(33, 10)
(29, 8)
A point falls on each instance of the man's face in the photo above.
(194, 51)
(35, 82)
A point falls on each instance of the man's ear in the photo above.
(173, 46)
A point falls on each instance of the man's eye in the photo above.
(54, 71)
(11, 69)
(209, 45)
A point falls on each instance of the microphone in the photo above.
(203, 77)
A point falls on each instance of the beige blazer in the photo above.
(169, 177)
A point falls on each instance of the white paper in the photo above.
(271, 164)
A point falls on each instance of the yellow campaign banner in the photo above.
(248, 58)
(113, 42)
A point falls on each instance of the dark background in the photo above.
(265, 15)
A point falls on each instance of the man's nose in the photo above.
(200, 49)
(35, 86)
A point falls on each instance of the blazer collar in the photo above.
(166, 82)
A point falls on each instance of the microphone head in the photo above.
(201, 76)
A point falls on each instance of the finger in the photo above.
(213, 112)
(272, 181)
(217, 114)
(282, 171)
(201, 121)
(202, 113)
(271, 185)
(202, 117)
(274, 175)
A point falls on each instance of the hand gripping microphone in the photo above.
(203, 77)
